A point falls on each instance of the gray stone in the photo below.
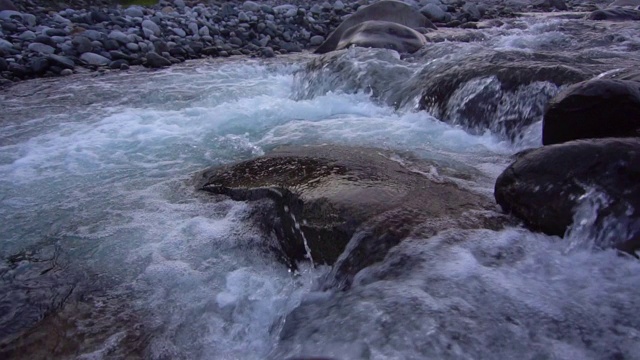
(41, 48)
(156, 61)
(119, 36)
(250, 6)
(472, 10)
(434, 13)
(267, 52)
(39, 65)
(93, 34)
(5, 45)
(204, 31)
(66, 72)
(316, 40)
(59, 19)
(242, 16)
(134, 11)
(10, 14)
(94, 59)
(267, 9)
(387, 11)
(316, 9)
(179, 4)
(179, 32)
(133, 47)
(44, 39)
(338, 5)
(62, 61)
(193, 27)
(27, 36)
(82, 44)
(153, 27)
(382, 34)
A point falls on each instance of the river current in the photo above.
(108, 251)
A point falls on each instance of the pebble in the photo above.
(94, 59)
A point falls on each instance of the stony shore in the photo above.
(43, 39)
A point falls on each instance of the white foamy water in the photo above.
(100, 169)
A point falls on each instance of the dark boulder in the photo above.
(7, 5)
(615, 14)
(544, 186)
(593, 109)
(479, 93)
(382, 34)
(156, 61)
(391, 11)
(325, 197)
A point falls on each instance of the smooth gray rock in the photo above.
(4, 44)
(179, 32)
(62, 61)
(204, 31)
(386, 10)
(94, 59)
(242, 16)
(44, 39)
(316, 40)
(82, 44)
(250, 6)
(338, 5)
(41, 48)
(119, 36)
(434, 13)
(153, 27)
(382, 34)
(134, 11)
(7, 15)
(27, 36)
(93, 34)
(154, 60)
(66, 72)
(133, 47)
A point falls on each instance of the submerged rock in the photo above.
(593, 109)
(324, 195)
(391, 11)
(544, 187)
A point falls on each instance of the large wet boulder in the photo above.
(546, 186)
(382, 34)
(391, 11)
(593, 109)
(325, 197)
(615, 14)
(480, 93)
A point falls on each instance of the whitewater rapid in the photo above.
(108, 248)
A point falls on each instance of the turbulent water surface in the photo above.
(108, 251)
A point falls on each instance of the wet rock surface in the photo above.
(545, 186)
(331, 198)
(593, 109)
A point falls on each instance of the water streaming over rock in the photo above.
(109, 251)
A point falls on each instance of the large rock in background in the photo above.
(382, 34)
(392, 11)
(324, 195)
(593, 109)
(7, 5)
(615, 14)
(544, 187)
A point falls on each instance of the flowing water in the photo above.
(108, 251)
